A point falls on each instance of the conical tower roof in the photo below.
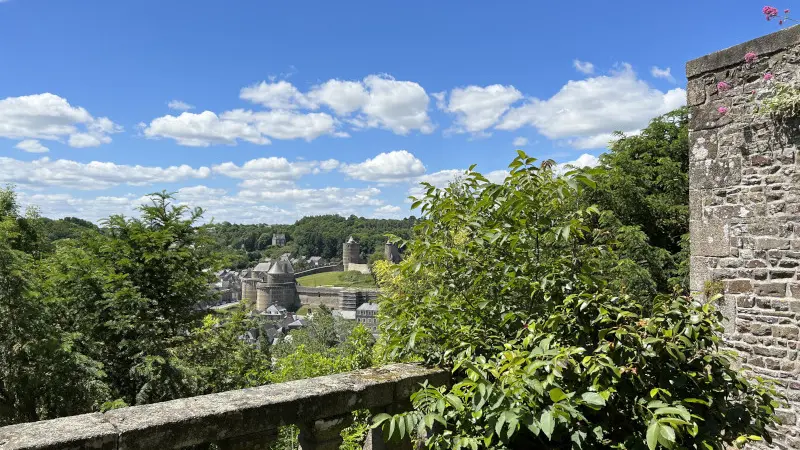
(281, 267)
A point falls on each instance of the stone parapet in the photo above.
(245, 418)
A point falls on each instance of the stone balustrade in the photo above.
(235, 420)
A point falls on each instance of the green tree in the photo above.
(134, 293)
(645, 183)
(41, 374)
(528, 294)
(220, 359)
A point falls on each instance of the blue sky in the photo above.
(265, 111)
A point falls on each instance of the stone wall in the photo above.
(244, 419)
(336, 297)
(315, 296)
(745, 208)
(322, 269)
(360, 268)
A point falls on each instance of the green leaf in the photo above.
(668, 434)
(379, 419)
(556, 395)
(401, 426)
(547, 424)
(455, 401)
(498, 426)
(593, 398)
(652, 434)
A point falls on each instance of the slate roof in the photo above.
(281, 267)
(262, 267)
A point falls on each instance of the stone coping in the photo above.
(209, 418)
(734, 56)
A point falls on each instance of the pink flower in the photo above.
(723, 86)
(768, 76)
(770, 12)
(722, 110)
(786, 11)
(780, 22)
(750, 57)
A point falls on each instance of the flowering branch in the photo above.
(770, 12)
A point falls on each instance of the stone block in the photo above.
(707, 116)
(738, 286)
(705, 145)
(696, 92)
(87, 431)
(771, 243)
(717, 173)
(785, 331)
(770, 289)
(709, 238)
(209, 418)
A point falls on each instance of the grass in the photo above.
(339, 279)
(306, 310)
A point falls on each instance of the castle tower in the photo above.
(249, 291)
(351, 253)
(279, 289)
(391, 252)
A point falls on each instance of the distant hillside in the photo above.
(66, 228)
(310, 236)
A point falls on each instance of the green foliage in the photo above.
(595, 374)
(134, 293)
(533, 297)
(310, 236)
(644, 183)
(324, 235)
(783, 102)
(42, 374)
(327, 345)
(66, 228)
(220, 360)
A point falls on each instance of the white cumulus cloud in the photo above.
(32, 146)
(585, 160)
(585, 112)
(92, 175)
(666, 74)
(520, 141)
(50, 117)
(275, 95)
(391, 167)
(478, 108)
(203, 129)
(272, 168)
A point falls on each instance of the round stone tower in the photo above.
(391, 252)
(279, 288)
(249, 289)
(351, 253)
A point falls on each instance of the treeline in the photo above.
(310, 236)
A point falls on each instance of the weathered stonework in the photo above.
(745, 209)
(243, 419)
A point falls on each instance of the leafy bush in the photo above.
(531, 296)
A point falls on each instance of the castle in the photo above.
(274, 283)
